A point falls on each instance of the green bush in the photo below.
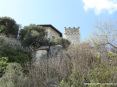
(3, 65)
(33, 36)
(13, 76)
(8, 27)
(61, 41)
(103, 74)
(12, 49)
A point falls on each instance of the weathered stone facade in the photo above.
(72, 34)
(52, 32)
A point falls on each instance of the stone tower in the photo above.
(72, 34)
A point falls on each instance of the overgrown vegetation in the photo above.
(13, 51)
(88, 64)
(8, 27)
(33, 36)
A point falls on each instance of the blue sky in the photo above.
(61, 13)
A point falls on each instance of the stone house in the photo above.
(52, 32)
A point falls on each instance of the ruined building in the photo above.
(72, 34)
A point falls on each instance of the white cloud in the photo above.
(100, 5)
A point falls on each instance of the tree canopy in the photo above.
(33, 35)
(8, 27)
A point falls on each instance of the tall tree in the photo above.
(8, 26)
(106, 35)
(33, 36)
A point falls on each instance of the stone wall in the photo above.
(52, 34)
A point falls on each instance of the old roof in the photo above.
(49, 25)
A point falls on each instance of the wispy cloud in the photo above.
(99, 6)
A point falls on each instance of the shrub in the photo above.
(61, 41)
(13, 50)
(13, 76)
(3, 65)
(9, 27)
(33, 36)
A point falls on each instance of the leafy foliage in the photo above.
(61, 41)
(3, 64)
(33, 36)
(8, 26)
(12, 49)
(13, 76)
